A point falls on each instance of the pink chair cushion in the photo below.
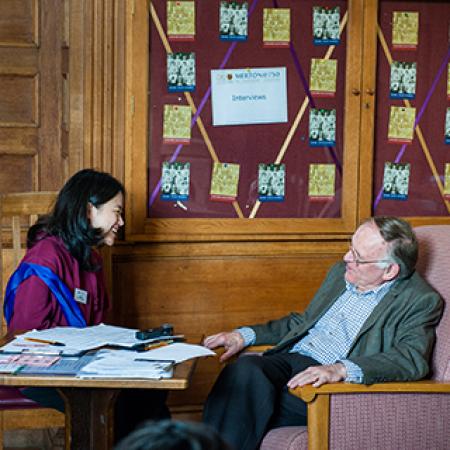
(12, 398)
(286, 438)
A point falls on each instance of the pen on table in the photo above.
(157, 345)
(45, 341)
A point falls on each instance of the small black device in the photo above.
(166, 329)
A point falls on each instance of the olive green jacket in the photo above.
(395, 342)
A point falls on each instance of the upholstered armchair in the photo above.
(388, 416)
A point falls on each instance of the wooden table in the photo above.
(90, 403)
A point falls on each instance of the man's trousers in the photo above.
(250, 396)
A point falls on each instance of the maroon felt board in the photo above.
(431, 56)
(247, 145)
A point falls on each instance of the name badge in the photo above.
(80, 296)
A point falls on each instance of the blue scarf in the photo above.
(69, 306)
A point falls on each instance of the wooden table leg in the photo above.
(89, 417)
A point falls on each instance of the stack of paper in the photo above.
(125, 364)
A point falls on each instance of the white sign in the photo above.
(249, 96)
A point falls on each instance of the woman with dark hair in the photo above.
(60, 280)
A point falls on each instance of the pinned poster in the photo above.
(271, 182)
(447, 127)
(321, 182)
(177, 124)
(233, 21)
(322, 127)
(181, 72)
(323, 77)
(181, 20)
(276, 27)
(448, 81)
(175, 179)
(326, 25)
(405, 30)
(403, 80)
(224, 182)
(396, 181)
(401, 125)
(447, 181)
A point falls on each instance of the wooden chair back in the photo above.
(17, 213)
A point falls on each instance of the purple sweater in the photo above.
(35, 306)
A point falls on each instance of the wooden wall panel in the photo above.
(18, 23)
(207, 288)
(20, 173)
(31, 93)
(19, 105)
(15, 141)
(96, 87)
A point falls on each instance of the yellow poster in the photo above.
(321, 181)
(447, 181)
(276, 27)
(405, 29)
(224, 181)
(180, 20)
(401, 124)
(177, 124)
(323, 77)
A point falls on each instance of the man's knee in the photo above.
(243, 368)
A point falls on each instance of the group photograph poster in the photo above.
(249, 96)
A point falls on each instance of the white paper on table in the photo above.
(125, 364)
(76, 340)
(177, 352)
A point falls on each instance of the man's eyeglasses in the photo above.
(357, 260)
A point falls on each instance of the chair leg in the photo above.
(318, 422)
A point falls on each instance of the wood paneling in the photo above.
(18, 23)
(14, 141)
(96, 86)
(30, 89)
(50, 69)
(20, 170)
(19, 105)
(205, 288)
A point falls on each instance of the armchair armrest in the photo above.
(257, 348)
(318, 400)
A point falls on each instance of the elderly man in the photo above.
(372, 320)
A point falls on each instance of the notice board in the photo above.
(288, 147)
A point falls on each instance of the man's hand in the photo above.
(232, 341)
(318, 375)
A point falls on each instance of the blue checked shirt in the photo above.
(331, 337)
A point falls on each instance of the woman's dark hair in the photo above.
(173, 435)
(69, 218)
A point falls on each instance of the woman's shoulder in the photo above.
(49, 251)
